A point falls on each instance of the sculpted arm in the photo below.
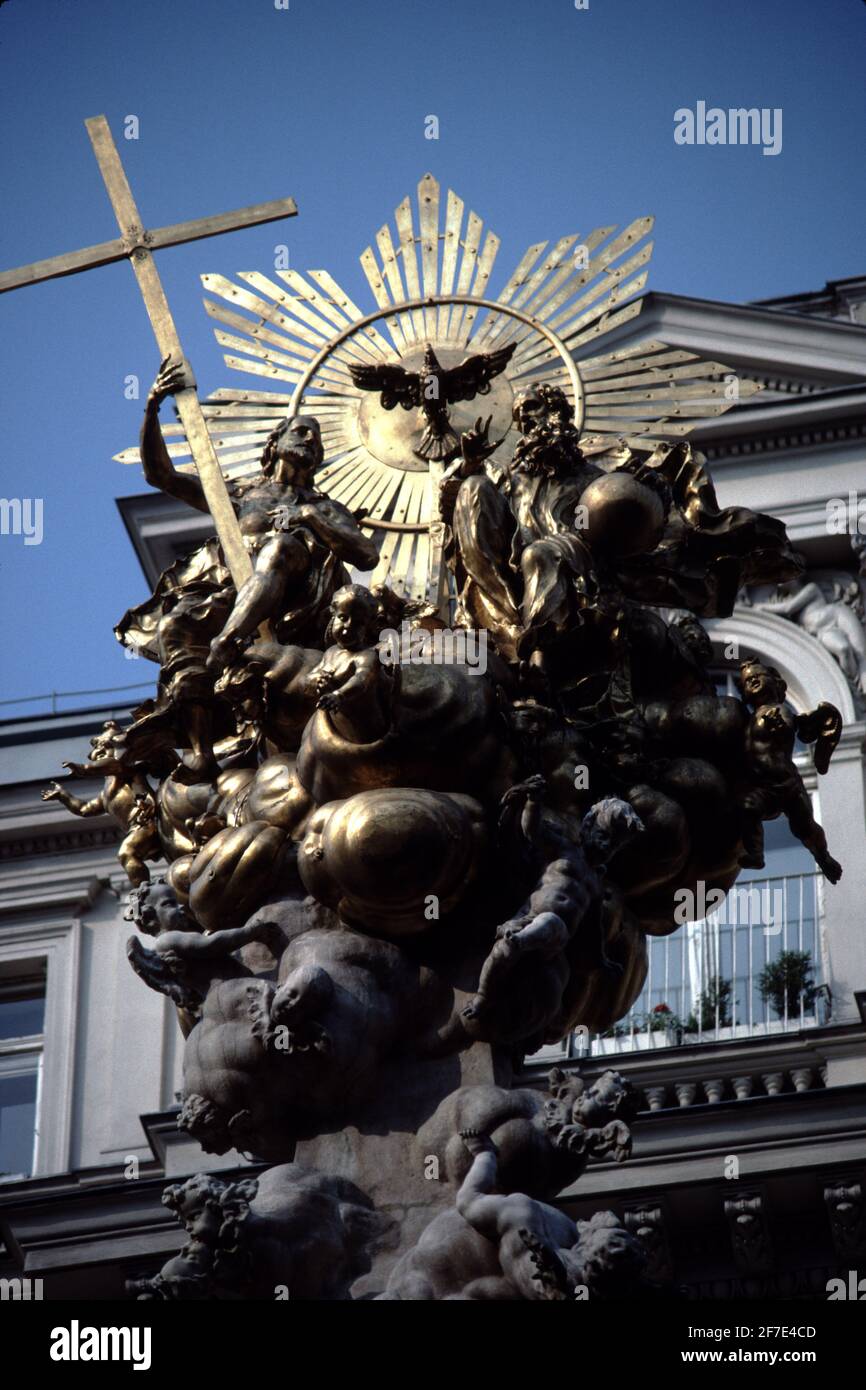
(475, 1200)
(361, 675)
(339, 531)
(159, 470)
(94, 807)
(89, 769)
(787, 607)
(475, 447)
(213, 946)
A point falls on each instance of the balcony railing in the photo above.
(752, 968)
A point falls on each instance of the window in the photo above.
(22, 1016)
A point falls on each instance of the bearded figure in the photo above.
(525, 547)
(547, 554)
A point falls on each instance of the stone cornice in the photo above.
(77, 841)
(827, 352)
(820, 421)
(59, 889)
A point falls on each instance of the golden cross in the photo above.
(137, 246)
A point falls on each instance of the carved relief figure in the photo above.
(836, 622)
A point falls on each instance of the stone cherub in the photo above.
(185, 962)
(774, 787)
(352, 682)
(544, 1140)
(271, 1060)
(288, 1233)
(126, 796)
(568, 898)
(590, 1121)
(506, 1246)
(212, 1213)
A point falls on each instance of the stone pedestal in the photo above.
(382, 1155)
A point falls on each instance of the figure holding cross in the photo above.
(277, 556)
(197, 620)
(137, 245)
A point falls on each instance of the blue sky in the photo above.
(552, 120)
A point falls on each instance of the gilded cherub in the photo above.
(126, 796)
(774, 786)
(352, 680)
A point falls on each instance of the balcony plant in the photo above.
(786, 982)
(644, 1030)
(662, 1019)
(712, 1005)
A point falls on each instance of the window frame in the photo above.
(53, 947)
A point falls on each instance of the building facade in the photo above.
(748, 1044)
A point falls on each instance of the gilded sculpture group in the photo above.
(364, 859)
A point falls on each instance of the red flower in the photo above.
(661, 1009)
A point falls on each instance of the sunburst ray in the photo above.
(302, 330)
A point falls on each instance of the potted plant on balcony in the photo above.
(662, 1019)
(712, 1006)
(786, 982)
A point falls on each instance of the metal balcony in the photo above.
(752, 968)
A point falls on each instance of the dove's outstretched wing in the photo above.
(395, 385)
(823, 727)
(473, 377)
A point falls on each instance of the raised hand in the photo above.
(321, 681)
(475, 444)
(224, 652)
(173, 376)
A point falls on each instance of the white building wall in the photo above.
(111, 1045)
